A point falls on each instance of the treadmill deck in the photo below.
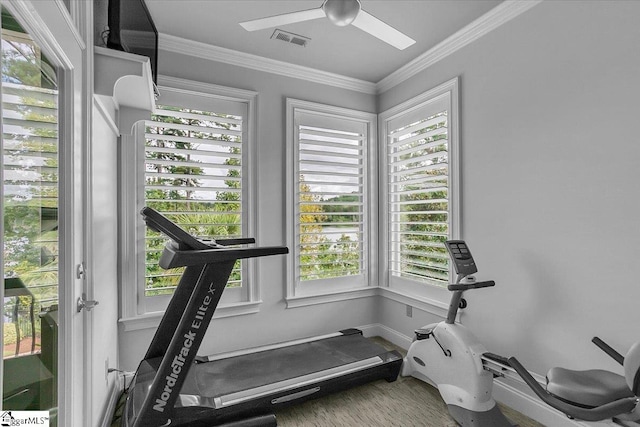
(232, 380)
(226, 376)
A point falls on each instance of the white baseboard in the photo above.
(114, 393)
(122, 379)
(521, 401)
(393, 336)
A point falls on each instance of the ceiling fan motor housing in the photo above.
(341, 12)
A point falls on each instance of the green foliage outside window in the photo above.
(320, 256)
(424, 205)
(30, 184)
(30, 150)
(178, 170)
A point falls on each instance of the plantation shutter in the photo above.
(330, 209)
(194, 176)
(419, 188)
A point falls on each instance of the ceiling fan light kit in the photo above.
(340, 13)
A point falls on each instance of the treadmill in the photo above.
(174, 387)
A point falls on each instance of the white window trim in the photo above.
(405, 291)
(295, 296)
(133, 314)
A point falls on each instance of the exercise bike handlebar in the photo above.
(475, 285)
(609, 350)
(598, 413)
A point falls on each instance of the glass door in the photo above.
(30, 206)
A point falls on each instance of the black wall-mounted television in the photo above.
(131, 29)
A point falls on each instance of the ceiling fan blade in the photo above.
(284, 19)
(386, 33)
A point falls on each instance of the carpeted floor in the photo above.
(407, 402)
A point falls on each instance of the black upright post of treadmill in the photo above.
(187, 318)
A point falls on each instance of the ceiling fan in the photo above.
(340, 13)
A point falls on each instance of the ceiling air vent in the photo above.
(290, 38)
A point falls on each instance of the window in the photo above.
(421, 188)
(192, 162)
(418, 199)
(193, 175)
(31, 244)
(329, 198)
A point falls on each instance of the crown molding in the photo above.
(491, 20)
(260, 63)
(190, 86)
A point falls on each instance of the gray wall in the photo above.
(274, 323)
(103, 220)
(550, 206)
(549, 181)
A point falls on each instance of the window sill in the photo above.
(152, 320)
(429, 305)
(313, 299)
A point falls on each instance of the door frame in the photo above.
(64, 44)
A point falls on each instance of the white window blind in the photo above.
(330, 207)
(419, 194)
(193, 175)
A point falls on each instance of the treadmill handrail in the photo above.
(172, 257)
(239, 241)
(160, 223)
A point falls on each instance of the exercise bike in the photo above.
(449, 356)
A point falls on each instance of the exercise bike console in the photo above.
(461, 256)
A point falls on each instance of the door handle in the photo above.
(84, 304)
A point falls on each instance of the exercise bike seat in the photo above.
(593, 395)
(589, 389)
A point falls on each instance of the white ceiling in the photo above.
(346, 51)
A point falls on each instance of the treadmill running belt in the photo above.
(226, 376)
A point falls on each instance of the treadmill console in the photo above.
(462, 260)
